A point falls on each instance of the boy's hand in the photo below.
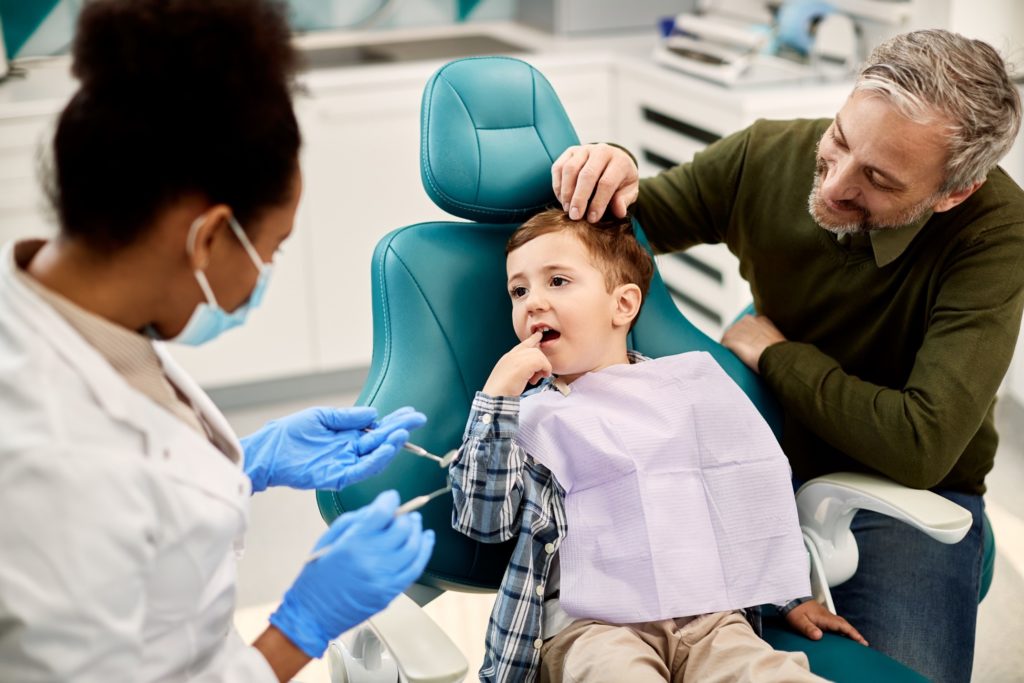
(524, 364)
(811, 617)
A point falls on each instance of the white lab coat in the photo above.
(119, 524)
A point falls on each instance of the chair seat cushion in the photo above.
(838, 658)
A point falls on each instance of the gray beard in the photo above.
(816, 207)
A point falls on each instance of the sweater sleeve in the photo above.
(691, 203)
(915, 433)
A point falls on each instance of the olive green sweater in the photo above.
(897, 342)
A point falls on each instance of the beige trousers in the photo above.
(710, 648)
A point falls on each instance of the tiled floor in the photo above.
(285, 524)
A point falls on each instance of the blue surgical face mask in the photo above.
(209, 320)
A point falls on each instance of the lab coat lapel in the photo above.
(186, 454)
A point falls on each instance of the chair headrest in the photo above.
(486, 152)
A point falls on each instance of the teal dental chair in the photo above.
(491, 127)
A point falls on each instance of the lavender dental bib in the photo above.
(678, 498)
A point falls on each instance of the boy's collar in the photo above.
(564, 388)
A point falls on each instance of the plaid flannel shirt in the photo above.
(501, 492)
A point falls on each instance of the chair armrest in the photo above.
(826, 506)
(423, 652)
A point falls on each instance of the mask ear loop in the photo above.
(190, 247)
(244, 239)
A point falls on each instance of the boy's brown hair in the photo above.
(611, 243)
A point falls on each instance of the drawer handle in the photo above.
(674, 124)
(698, 265)
(659, 160)
(695, 305)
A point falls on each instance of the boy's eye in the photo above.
(517, 292)
(558, 281)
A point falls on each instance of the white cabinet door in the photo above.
(24, 209)
(363, 180)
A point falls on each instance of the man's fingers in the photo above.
(572, 160)
(622, 200)
(617, 185)
(556, 173)
(607, 185)
(586, 183)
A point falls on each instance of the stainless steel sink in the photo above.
(408, 51)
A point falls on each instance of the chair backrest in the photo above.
(491, 128)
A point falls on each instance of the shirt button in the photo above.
(538, 644)
(549, 548)
(540, 589)
(167, 454)
(486, 418)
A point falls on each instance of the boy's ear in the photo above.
(627, 304)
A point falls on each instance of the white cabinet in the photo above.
(664, 119)
(24, 211)
(362, 181)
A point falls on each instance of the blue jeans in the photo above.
(913, 598)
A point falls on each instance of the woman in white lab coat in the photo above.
(123, 492)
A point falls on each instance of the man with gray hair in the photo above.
(885, 252)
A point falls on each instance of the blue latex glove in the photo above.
(326, 448)
(374, 556)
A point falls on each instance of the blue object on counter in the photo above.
(21, 19)
(666, 25)
(795, 21)
(465, 8)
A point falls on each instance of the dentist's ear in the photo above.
(203, 233)
(627, 304)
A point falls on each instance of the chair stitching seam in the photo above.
(447, 341)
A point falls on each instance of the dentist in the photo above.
(123, 492)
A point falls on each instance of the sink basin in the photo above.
(408, 51)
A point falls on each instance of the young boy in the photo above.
(651, 502)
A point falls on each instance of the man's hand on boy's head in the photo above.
(590, 179)
(524, 364)
(811, 618)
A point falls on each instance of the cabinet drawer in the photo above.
(19, 194)
(24, 134)
(15, 225)
(16, 166)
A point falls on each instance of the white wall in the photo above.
(313, 14)
(1000, 23)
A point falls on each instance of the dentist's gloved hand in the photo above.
(374, 556)
(326, 448)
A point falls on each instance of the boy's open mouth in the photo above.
(547, 333)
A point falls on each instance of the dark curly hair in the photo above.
(177, 97)
(611, 243)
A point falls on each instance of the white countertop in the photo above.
(47, 83)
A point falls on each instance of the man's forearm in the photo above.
(895, 432)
